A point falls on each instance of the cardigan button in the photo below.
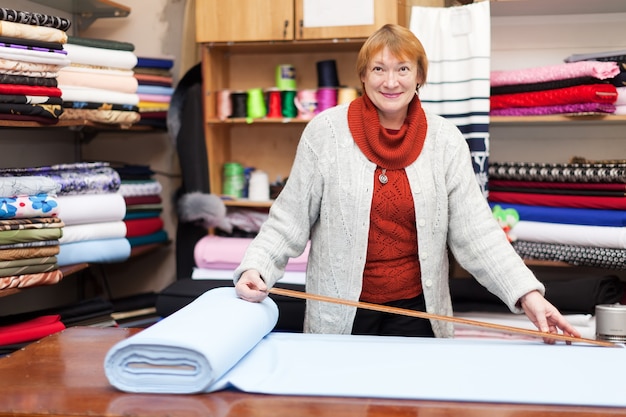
(428, 283)
(422, 222)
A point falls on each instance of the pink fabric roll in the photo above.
(599, 70)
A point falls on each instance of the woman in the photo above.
(382, 189)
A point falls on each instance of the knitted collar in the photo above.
(391, 150)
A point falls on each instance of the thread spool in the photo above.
(259, 186)
(255, 105)
(274, 107)
(239, 101)
(224, 104)
(288, 104)
(306, 103)
(234, 180)
(327, 73)
(326, 98)
(286, 77)
(346, 95)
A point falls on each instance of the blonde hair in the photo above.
(401, 42)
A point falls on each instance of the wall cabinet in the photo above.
(285, 20)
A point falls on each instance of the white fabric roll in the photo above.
(571, 234)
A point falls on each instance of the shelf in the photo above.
(242, 202)
(288, 47)
(268, 120)
(555, 7)
(66, 123)
(68, 270)
(556, 119)
(87, 11)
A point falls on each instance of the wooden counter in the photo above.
(63, 375)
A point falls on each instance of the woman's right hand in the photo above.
(251, 287)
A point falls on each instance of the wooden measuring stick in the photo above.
(424, 315)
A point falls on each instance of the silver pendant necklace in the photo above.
(383, 177)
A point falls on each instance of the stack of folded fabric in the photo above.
(99, 85)
(568, 88)
(573, 212)
(619, 81)
(30, 230)
(155, 89)
(31, 55)
(91, 211)
(144, 205)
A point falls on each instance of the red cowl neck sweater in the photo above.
(392, 269)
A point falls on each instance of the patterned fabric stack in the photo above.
(619, 81)
(144, 205)
(568, 88)
(574, 212)
(91, 210)
(31, 55)
(155, 89)
(99, 85)
(30, 230)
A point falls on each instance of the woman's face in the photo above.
(390, 84)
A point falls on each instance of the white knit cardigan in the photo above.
(327, 199)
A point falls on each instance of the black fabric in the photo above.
(183, 291)
(185, 124)
(575, 296)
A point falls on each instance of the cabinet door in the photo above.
(344, 19)
(244, 20)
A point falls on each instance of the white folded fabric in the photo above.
(97, 95)
(92, 231)
(190, 350)
(571, 234)
(290, 277)
(100, 57)
(91, 208)
(30, 55)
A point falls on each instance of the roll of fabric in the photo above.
(571, 234)
(187, 340)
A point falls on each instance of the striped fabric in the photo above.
(457, 41)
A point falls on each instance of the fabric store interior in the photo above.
(134, 183)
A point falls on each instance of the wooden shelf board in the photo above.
(556, 119)
(268, 120)
(68, 270)
(288, 47)
(242, 202)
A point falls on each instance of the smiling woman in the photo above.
(387, 187)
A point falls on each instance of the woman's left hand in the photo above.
(546, 317)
